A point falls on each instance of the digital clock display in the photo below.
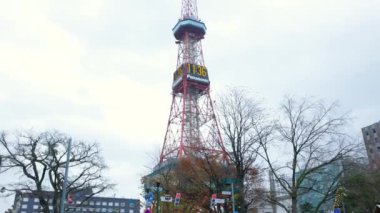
(193, 72)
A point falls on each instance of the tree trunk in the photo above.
(44, 204)
(294, 204)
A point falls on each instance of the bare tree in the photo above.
(39, 159)
(308, 138)
(243, 124)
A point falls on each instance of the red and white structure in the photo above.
(192, 129)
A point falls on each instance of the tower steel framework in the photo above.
(192, 128)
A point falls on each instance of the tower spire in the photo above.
(189, 9)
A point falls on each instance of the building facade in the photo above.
(27, 202)
(318, 188)
(371, 135)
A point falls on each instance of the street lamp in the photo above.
(233, 197)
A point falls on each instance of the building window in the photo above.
(122, 210)
(104, 209)
(374, 131)
(131, 211)
(35, 206)
(378, 149)
(104, 203)
(36, 200)
(116, 203)
(25, 199)
(98, 203)
(24, 206)
(122, 204)
(110, 204)
(91, 203)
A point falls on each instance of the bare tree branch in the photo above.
(313, 134)
(243, 125)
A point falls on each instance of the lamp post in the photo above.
(158, 195)
(231, 181)
(63, 195)
(233, 197)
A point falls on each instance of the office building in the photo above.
(318, 188)
(27, 202)
(371, 135)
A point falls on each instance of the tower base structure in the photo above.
(192, 129)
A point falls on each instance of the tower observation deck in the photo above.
(192, 128)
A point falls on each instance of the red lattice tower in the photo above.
(192, 127)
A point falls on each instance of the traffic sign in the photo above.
(177, 199)
(150, 196)
(213, 199)
(154, 188)
(226, 192)
(230, 180)
(70, 199)
(148, 204)
(178, 195)
(219, 200)
(167, 198)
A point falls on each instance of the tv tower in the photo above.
(192, 128)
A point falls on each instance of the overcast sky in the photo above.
(101, 70)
